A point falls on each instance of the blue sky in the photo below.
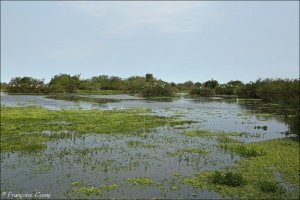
(174, 40)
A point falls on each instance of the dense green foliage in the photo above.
(269, 187)
(229, 178)
(157, 89)
(26, 85)
(147, 86)
(203, 92)
(64, 83)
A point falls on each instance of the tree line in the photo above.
(283, 91)
(64, 83)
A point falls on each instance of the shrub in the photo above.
(204, 92)
(157, 89)
(269, 187)
(26, 85)
(229, 178)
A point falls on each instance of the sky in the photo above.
(176, 41)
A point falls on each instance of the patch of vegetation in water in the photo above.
(194, 150)
(32, 120)
(265, 114)
(206, 133)
(261, 127)
(162, 99)
(243, 150)
(226, 139)
(227, 178)
(180, 122)
(168, 139)
(254, 177)
(81, 189)
(249, 99)
(132, 143)
(187, 150)
(81, 98)
(180, 127)
(270, 187)
(102, 92)
(172, 153)
(108, 186)
(259, 114)
(150, 145)
(143, 181)
(89, 190)
(31, 101)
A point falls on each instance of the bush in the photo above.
(229, 178)
(64, 83)
(157, 89)
(269, 187)
(204, 92)
(26, 85)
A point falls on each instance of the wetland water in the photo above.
(151, 164)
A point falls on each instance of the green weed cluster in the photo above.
(269, 186)
(243, 150)
(141, 180)
(229, 178)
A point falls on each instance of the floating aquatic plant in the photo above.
(141, 180)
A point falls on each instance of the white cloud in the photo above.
(137, 17)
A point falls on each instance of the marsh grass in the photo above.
(259, 181)
(206, 133)
(226, 139)
(68, 97)
(242, 150)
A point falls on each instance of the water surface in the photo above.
(91, 160)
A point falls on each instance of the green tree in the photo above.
(204, 92)
(64, 83)
(212, 84)
(26, 85)
(157, 89)
(115, 83)
(86, 84)
(149, 77)
(230, 88)
(198, 84)
(100, 82)
(135, 83)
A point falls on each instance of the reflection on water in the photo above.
(95, 159)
